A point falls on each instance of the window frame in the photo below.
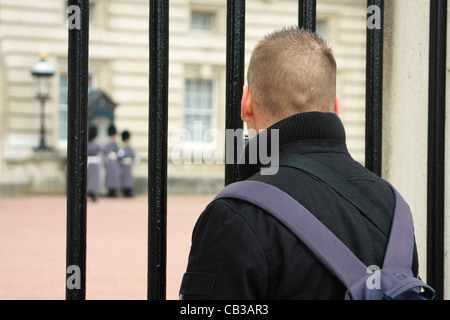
(63, 107)
(201, 112)
(211, 14)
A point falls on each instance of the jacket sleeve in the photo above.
(226, 260)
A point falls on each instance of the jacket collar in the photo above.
(300, 133)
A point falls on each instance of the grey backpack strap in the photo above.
(401, 240)
(400, 248)
(324, 245)
(341, 186)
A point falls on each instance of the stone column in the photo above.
(405, 118)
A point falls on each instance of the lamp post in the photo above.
(42, 71)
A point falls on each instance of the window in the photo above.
(63, 88)
(321, 28)
(203, 21)
(198, 109)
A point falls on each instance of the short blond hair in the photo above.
(291, 71)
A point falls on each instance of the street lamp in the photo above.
(42, 71)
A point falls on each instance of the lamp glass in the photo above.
(42, 87)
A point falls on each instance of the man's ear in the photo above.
(337, 105)
(246, 105)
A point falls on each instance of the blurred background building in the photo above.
(118, 67)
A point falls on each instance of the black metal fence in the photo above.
(158, 126)
(436, 145)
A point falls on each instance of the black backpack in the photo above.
(393, 281)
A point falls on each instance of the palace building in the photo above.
(119, 77)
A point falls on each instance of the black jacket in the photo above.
(241, 252)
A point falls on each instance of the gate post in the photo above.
(77, 101)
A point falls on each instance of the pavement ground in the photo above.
(33, 246)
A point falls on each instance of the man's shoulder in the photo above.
(230, 206)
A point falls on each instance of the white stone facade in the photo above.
(119, 66)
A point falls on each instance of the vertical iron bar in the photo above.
(77, 101)
(307, 14)
(374, 90)
(235, 78)
(157, 153)
(436, 146)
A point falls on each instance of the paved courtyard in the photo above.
(33, 246)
